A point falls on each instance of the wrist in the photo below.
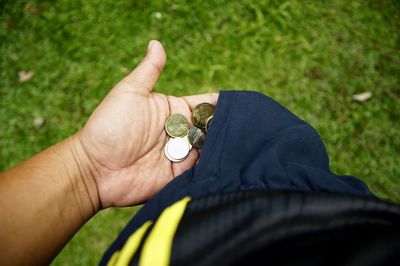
(79, 171)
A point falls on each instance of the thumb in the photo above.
(146, 74)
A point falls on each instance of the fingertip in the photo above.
(214, 97)
(194, 100)
(151, 44)
(156, 54)
(146, 74)
(190, 160)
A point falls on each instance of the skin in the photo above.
(116, 159)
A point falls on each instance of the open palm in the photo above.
(125, 137)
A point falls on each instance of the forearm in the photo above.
(43, 202)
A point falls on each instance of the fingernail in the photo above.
(151, 44)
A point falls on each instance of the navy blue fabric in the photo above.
(253, 143)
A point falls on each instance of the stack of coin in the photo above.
(184, 137)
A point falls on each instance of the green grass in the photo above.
(310, 56)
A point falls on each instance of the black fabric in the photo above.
(254, 143)
(287, 228)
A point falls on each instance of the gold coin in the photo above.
(201, 113)
(177, 125)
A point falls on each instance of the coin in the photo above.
(167, 154)
(186, 138)
(196, 137)
(176, 149)
(177, 125)
(208, 123)
(201, 113)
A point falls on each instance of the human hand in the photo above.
(124, 138)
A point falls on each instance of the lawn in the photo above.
(311, 56)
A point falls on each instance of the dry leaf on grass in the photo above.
(158, 15)
(25, 75)
(362, 97)
(38, 121)
(32, 9)
(124, 70)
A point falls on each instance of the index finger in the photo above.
(194, 100)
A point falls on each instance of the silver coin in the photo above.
(167, 155)
(186, 137)
(176, 149)
(208, 123)
(196, 137)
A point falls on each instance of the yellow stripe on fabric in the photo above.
(157, 248)
(131, 246)
(113, 259)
